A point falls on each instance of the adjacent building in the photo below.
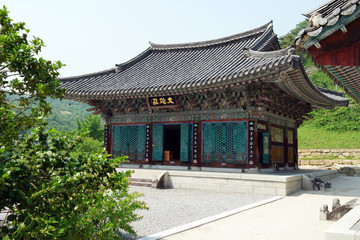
(332, 38)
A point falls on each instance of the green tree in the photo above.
(22, 74)
(93, 124)
(48, 193)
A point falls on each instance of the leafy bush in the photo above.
(51, 195)
(337, 119)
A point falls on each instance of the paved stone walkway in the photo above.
(292, 217)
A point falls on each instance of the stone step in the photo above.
(141, 184)
(146, 180)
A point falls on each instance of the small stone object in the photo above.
(335, 204)
(154, 183)
(324, 212)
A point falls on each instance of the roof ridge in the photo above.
(71, 78)
(269, 54)
(122, 66)
(217, 41)
(264, 40)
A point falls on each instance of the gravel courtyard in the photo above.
(174, 207)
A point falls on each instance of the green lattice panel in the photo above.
(184, 142)
(225, 142)
(240, 141)
(219, 142)
(129, 141)
(158, 144)
(124, 140)
(141, 142)
(132, 139)
(208, 143)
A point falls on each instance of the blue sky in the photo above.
(94, 35)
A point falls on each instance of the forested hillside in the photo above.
(65, 113)
(336, 128)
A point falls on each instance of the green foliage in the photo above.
(321, 79)
(52, 195)
(338, 119)
(22, 74)
(87, 145)
(93, 124)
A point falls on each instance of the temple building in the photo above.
(233, 102)
(332, 38)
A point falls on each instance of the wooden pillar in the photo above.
(286, 148)
(296, 148)
(270, 143)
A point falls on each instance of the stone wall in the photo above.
(328, 163)
(318, 157)
(329, 153)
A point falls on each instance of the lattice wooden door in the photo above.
(185, 142)
(129, 141)
(158, 143)
(225, 142)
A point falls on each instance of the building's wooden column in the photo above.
(270, 143)
(296, 148)
(286, 148)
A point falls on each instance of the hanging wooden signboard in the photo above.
(162, 102)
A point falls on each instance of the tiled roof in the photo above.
(333, 13)
(183, 68)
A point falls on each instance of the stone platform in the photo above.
(279, 183)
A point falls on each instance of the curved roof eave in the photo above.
(295, 81)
